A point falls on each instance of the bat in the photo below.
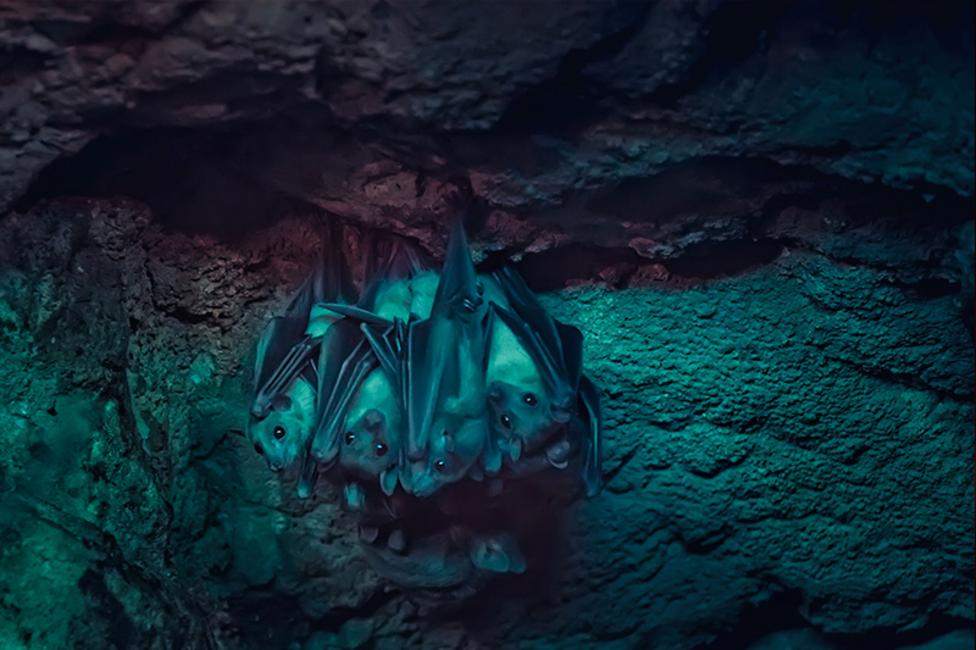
(361, 414)
(534, 380)
(371, 430)
(283, 410)
(399, 290)
(442, 379)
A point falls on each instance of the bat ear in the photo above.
(515, 449)
(492, 459)
(354, 497)
(388, 480)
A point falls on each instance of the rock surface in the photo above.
(754, 211)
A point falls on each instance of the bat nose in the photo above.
(275, 466)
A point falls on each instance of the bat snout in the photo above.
(560, 414)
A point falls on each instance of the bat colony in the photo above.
(415, 383)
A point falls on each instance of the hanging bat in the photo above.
(284, 407)
(401, 289)
(443, 379)
(371, 429)
(287, 343)
(534, 380)
(437, 365)
(361, 417)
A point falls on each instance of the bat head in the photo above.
(527, 402)
(369, 446)
(283, 434)
(370, 441)
(453, 447)
(526, 415)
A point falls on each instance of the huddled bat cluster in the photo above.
(411, 386)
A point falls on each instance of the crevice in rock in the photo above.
(901, 379)
(543, 108)
(555, 268)
(185, 176)
(733, 32)
(711, 260)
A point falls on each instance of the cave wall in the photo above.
(755, 212)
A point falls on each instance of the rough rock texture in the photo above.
(756, 213)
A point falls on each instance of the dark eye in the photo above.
(530, 399)
(381, 449)
(350, 437)
(506, 421)
(279, 432)
(446, 433)
(440, 465)
(258, 448)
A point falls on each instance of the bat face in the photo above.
(371, 438)
(453, 447)
(366, 445)
(521, 408)
(283, 435)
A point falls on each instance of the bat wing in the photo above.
(345, 359)
(542, 335)
(336, 277)
(457, 292)
(284, 350)
(402, 262)
(356, 313)
(550, 365)
(571, 340)
(589, 397)
(422, 375)
(432, 358)
(384, 346)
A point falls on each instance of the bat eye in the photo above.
(279, 432)
(350, 437)
(258, 448)
(506, 421)
(440, 465)
(446, 433)
(530, 399)
(381, 449)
